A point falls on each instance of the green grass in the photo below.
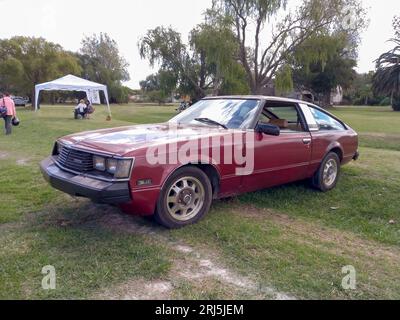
(287, 237)
(379, 126)
(85, 257)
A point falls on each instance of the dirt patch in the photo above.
(191, 266)
(183, 248)
(138, 290)
(3, 155)
(103, 216)
(202, 269)
(125, 223)
(22, 162)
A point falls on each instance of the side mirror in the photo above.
(268, 129)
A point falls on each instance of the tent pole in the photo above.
(36, 98)
(108, 104)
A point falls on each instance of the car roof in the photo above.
(259, 97)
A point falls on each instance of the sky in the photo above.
(67, 22)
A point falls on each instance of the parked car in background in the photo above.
(237, 145)
(20, 101)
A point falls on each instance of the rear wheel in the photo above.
(184, 199)
(327, 176)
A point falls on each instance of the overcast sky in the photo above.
(66, 22)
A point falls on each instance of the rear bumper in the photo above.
(356, 156)
(81, 186)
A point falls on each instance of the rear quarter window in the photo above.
(326, 122)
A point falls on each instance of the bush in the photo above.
(396, 104)
(385, 102)
(119, 94)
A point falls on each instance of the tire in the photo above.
(185, 198)
(327, 175)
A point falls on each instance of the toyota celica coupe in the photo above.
(219, 147)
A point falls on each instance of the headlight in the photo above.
(123, 169)
(99, 163)
(112, 165)
(119, 168)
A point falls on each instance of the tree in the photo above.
(214, 42)
(208, 63)
(27, 61)
(158, 87)
(387, 77)
(11, 72)
(102, 62)
(361, 92)
(287, 30)
(323, 62)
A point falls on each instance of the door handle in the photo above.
(307, 141)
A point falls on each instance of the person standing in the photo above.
(7, 102)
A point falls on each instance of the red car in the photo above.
(219, 147)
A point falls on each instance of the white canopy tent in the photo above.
(72, 83)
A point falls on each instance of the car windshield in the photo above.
(229, 113)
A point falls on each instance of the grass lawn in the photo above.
(287, 238)
(379, 126)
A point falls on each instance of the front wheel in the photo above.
(184, 199)
(327, 176)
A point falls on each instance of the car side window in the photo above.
(289, 113)
(285, 116)
(326, 122)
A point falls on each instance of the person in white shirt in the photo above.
(80, 109)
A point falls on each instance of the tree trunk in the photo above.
(33, 99)
(325, 99)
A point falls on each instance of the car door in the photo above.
(279, 159)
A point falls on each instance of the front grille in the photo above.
(75, 160)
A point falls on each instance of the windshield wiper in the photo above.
(210, 121)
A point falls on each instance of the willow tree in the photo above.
(206, 63)
(387, 77)
(267, 32)
(323, 62)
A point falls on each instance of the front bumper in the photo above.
(81, 186)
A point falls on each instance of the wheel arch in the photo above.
(336, 148)
(210, 170)
(338, 151)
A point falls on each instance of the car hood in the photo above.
(124, 140)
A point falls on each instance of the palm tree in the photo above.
(387, 77)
